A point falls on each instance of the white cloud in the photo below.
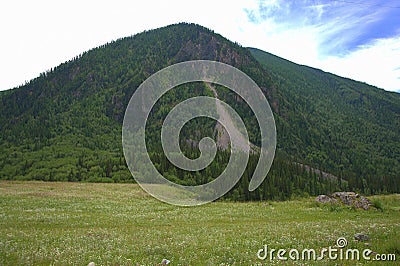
(321, 35)
(377, 63)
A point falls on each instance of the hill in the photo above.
(340, 125)
(65, 125)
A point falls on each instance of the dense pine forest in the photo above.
(333, 133)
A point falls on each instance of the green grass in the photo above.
(119, 224)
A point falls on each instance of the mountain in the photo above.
(346, 127)
(66, 124)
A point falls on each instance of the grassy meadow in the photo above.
(119, 224)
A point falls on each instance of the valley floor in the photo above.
(119, 224)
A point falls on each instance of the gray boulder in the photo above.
(361, 237)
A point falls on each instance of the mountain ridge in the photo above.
(349, 105)
(65, 124)
(323, 71)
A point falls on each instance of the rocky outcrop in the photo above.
(347, 198)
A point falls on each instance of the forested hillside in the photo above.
(66, 124)
(345, 127)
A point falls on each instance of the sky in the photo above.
(355, 39)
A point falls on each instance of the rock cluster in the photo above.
(347, 198)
